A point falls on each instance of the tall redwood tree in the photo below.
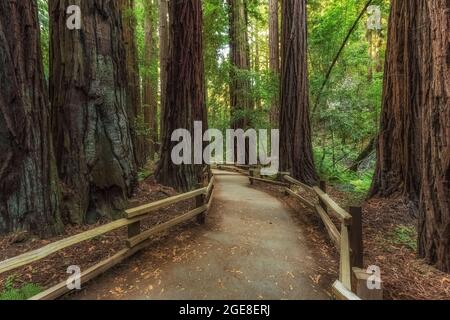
(92, 129)
(398, 162)
(296, 154)
(185, 92)
(434, 209)
(29, 194)
(414, 146)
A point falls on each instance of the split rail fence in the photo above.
(136, 240)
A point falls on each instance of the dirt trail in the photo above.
(250, 248)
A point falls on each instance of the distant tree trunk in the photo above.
(296, 153)
(434, 210)
(164, 35)
(92, 131)
(274, 56)
(185, 93)
(398, 161)
(29, 194)
(241, 102)
(150, 80)
(134, 106)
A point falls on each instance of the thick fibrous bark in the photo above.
(241, 102)
(398, 159)
(296, 153)
(134, 107)
(29, 195)
(414, 145)
(274, 55)
(434, 221)
(92, 132)
(150, 81)
(185, 94)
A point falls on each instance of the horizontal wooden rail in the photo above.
(340, 213)
(297, 183)
(61, 288)
(330, 227)
(132, 242)
(300, 198)
(148, 208)
(54, 247)
(278, 183)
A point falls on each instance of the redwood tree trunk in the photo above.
(296, 154)
(398, 160)
(241, 102)
(185, 93)
(29, 194)
(274, 55)
(150, 80)
(434, 221)
(134, 106)
(92, 131)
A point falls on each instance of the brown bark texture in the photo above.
(274, 55)
(434, 209)
(91, 121)
(398, 159)
(29, 194)
(296, 154)
(185, 92)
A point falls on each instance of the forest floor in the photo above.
(390, 242)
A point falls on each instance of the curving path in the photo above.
(250, 248)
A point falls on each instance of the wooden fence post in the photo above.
(356, 239)
(134, 229)
(199, 202)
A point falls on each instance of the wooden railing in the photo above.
(347, 239)
(136, 241)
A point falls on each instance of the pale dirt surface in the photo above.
(249, 249)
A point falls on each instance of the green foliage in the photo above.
(346, 118)
(336, 172)
(406, 236)
(11, 292)
(44, 22)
